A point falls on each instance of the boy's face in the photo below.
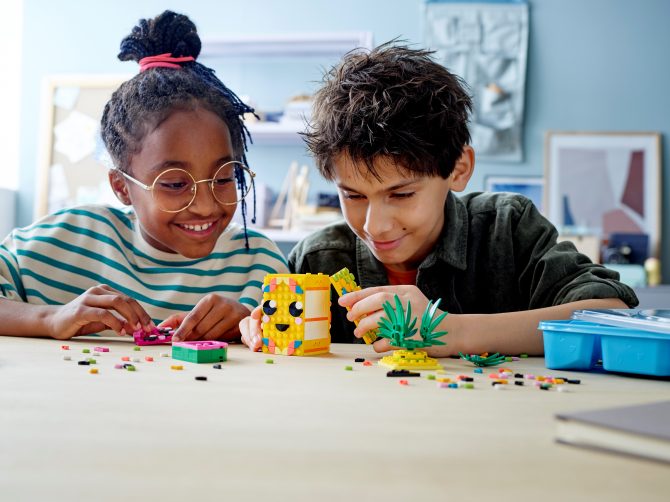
(399, 218)
(199, 142)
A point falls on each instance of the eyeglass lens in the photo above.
(175, 189)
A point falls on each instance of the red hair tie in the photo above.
(163, 61)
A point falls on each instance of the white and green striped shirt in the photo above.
(62, 255)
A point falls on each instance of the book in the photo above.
(641, 430)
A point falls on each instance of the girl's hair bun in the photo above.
(168, 32)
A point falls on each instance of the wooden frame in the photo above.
(71, 154)
(599, 183)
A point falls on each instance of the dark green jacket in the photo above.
(497, 253)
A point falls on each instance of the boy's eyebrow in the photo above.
(389, 189)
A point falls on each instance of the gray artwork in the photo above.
(486, 45)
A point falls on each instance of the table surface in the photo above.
(298, 429)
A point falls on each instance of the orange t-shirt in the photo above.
(397, 278)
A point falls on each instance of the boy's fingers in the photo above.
(381, 345)
(349, 299)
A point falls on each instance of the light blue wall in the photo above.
(593, 64)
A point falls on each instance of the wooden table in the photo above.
(298, 429)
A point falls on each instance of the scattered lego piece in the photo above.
(96, 354)
(129, 367)
(359, 360)
(430, 377)
(149, 359)
(217, 366)
(92, 361)
(562, 388)
(67, 358)
(348, 368)
(164, 354)
(574, 381)
(136, 359)
(65, 347)
(518, 375)
(402, 373)
(85, 351)
(523, 356)
(403, 382)
(200, 351)
(125, 358)
(518, 382)
(443, 379)
(545, 386)
(468, 385)
(478, 370)
(93, 371)
(101, 349)
(83, 363)
(367, 363)
(118, 366)
(201, 378)
(177, 367)
(269, 361)
(497, 386)
(137, 348)
(483, 360)
(452, 385)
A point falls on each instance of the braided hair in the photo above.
(142, 103)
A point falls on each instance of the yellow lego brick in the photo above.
(290, 303)
(343, 281)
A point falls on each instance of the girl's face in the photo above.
(197, 141)
(399, 218)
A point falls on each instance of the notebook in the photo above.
(640, 431)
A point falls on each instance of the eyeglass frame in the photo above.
(150, 188)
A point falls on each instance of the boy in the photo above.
(389, 128)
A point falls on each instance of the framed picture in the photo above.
(601, 183)
(530, 186)
(72, 167)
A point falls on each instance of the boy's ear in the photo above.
(119, 186)
(465, 166)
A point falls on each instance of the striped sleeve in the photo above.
(11, 285)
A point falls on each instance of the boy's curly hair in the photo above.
(392, 101)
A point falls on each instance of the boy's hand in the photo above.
(213, 318)
(97, 309)
(250, 328)
(367, 308)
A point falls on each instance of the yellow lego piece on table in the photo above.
(343, 281)
(296, 314)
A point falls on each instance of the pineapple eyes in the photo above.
(295, 309)
(269, 307)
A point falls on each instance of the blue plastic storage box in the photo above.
(578, 345)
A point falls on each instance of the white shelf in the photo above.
(279, 235)
(275, 133)
(301, 45)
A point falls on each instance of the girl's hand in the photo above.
(213, 318)
(99, 308)
(250, 328)
(367, 308)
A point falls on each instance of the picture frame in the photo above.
(528, 186)
(72, 162)
(601, 183)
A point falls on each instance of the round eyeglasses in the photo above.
(175, 189)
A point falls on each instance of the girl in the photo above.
(177, 140)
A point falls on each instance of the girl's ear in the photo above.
(119, 186)
(465, 166)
